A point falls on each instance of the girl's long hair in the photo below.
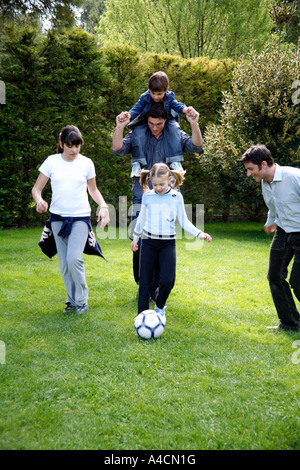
(160, 170)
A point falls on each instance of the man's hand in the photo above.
(270, 228)
(192, 116)
(191, 112)
(123, 119)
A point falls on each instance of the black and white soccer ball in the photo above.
(149, 324)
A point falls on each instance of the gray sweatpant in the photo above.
(70, 250)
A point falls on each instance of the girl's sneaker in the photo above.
(81, 309)
(162, 313)
(69, 308)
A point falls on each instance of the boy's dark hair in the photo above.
(157, 111)
(158, 82)
(69, 134)
(256, 154)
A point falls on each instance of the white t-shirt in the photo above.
(69, 184)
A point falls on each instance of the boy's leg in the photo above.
(139, 139)
(172, 143)
(136, 169)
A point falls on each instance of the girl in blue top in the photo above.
(156, 227)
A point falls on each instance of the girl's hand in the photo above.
(103, 216)
(270, 228)
(134, 244)
(205, 236)
(42, 206)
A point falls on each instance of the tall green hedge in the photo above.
(62, 78)
(259, 109)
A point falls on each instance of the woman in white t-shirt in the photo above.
(71, 175)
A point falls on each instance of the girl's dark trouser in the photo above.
(285, 247)
(151, 252)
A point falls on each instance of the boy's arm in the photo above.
(181, 107)
(138, 107)
(178, 107)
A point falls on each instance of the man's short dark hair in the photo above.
(256, 154)
(157, 111)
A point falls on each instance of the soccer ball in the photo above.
(149, 324)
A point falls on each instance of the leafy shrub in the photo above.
(259, 109)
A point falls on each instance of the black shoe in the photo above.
(284, 327)
(69, 308)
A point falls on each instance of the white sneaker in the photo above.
(82, 309)
(161, 312)
(136, 170)
(176, 166)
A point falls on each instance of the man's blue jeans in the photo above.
(285, 247)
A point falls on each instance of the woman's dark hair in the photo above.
(256, 154)
(69, 135)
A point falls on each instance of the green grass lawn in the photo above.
(215, 379)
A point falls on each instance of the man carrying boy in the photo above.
(154, 150)
(281, 192)
(158, 92)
